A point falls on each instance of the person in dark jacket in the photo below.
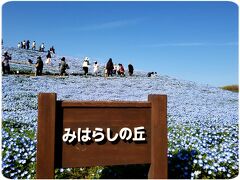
(130, 69)
(85, 65)
(63, 66)
(149, 74)
(27, 44)
(152, 74)
(109, 67)
(39, 66)
(52, 50)
(5, 63)
(30, 61)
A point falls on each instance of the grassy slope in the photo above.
(233, 88)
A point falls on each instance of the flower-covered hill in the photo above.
(20, 61)
(202, 120)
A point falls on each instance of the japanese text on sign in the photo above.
(98, 134)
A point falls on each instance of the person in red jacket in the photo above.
(121, 70)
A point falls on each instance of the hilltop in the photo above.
(202, 120)
(19, 63)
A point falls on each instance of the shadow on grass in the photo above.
(125, 172)
(179, 167)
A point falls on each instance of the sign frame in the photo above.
(50, 147)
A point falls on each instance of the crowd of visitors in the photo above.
(26, 45)
(110, 69)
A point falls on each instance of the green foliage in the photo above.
(233, 88)
(79, 173)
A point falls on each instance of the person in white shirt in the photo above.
(115, 69)
(95, 68)
(42, 47)
(34, 45)
(24, 44)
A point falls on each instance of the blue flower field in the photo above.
(202, 120)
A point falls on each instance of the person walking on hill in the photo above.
(109, 67)
(85, 65)
(95, 68)
(19, 45)
(63, 66)
(42, 47)
(39, 66)
(5, 63)
(52, 50)
(34, 45)
(48, 61)
(24, 44)
(130, 69)
(27, 44)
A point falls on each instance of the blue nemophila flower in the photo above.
(12, 174)
(202, 120)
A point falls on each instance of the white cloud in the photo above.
(109, 25)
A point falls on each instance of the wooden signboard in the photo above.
(143, 124)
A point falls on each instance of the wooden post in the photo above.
(159, 163)
(156, 111)
(46, 135)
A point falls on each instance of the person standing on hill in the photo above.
(39, 66)
(95, 68)
(24, 44)
(48, 61)
(19, 45)
(42, 47)
(34, 45)
(52, 50)
(5, 63)
(28, 44)
(130, 69)
(109, 67)
(85, 65)
(63, 66)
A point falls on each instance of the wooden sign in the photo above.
(94, 133)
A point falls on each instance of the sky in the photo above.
(196, 41)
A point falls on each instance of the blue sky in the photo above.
(195, 41)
